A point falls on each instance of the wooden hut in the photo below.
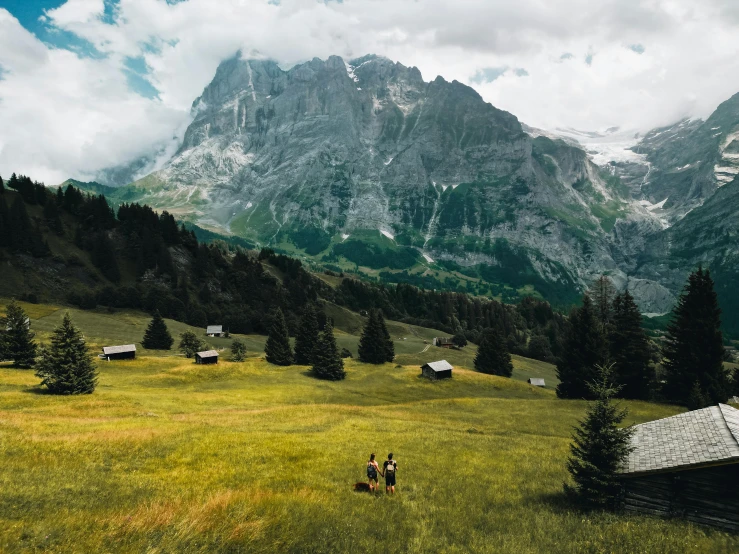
(686, 466)
(536, 381)
(214, 330)
(206, 357)
(443, 342)
(437, 370)
(121, 352)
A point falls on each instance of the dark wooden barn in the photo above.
(686, 466)
(206, 357)
(444, 342)
(437, 370)
(122, 352)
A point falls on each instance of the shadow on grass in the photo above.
(38, 389)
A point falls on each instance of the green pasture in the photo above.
(169, 456)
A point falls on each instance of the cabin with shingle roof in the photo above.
(121, 352)
(536, 381)
(686, 466)
(206, 357)
(437, 370)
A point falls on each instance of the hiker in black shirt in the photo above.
(389, 468)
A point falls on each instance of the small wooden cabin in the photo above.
(536, 381)
(444, 342)
(121, 352)
(686, 466)
(437, 370)
(206, 357)
(214, 330)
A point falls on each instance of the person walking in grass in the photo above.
(372, 470)
(389, 469)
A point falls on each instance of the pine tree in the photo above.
(277, 348)
(2, 186)
(238, 351)
(388, 346)
(5, 229)
(66, 367)
(602, 293)
(629, 348)
(599, 447)
(306, 338)
(190, 343)
(375, 345)
(327, 363)
(18, 340)
(157, 335)
(584, 348)
(694, 350)
(492, 356)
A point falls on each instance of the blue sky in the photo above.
(30, 14)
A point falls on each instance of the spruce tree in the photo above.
(2, 186)
(18, 340)
(372, 349)
(238, 351)
(190, 343)
(602, 293)
(306, 338)
(327, 362)
(492, 356)
(599, 447)
(629, 348)
(277, 348)
(583, 349)
(157, 335)
(388, 345)
(5, 229)
(66, 367)
(694, 350)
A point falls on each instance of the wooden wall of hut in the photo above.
(708, 496)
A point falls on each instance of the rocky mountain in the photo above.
(363, 164)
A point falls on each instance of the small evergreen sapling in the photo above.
(238, 351)
(67, 367)
(19, 345)
(190, 343)
(492, 356)
(599, 447)
(157, 335)
(277, 348)
(327, 361)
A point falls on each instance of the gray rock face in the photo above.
(333, 157)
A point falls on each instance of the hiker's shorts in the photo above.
(389, 479)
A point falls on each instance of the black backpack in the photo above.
(371, 471)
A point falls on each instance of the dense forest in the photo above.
(140, 259)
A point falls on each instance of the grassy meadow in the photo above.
(169, 456)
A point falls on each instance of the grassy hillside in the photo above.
(168, 456)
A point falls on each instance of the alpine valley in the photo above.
(362, 165)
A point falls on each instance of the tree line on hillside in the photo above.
(606, 330)
(147, 261)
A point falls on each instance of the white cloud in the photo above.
(64, 115)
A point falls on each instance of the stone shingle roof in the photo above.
(441, 365)
(119, 349)
(701, 437)
(213, 329)
(208, 354)
(537, 382)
